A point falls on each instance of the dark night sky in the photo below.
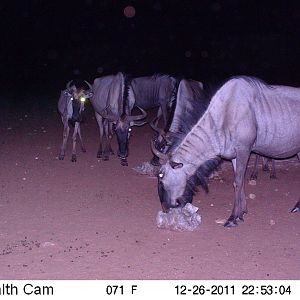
(46, 43)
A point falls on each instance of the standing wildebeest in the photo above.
(111, 108)
(149, 92)
(71, 107)
(244, 115)
(190, 104)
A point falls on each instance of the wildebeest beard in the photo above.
(77, 116)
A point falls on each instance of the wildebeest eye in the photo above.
(129, 129)
(175, 165)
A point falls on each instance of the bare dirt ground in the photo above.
(96, 220)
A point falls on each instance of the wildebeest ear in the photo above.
(175, 165)
(89, 94)
(67, 93)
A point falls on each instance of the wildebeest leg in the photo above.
(240, 204)
(65, 138)
(296, 207)
(106, 143)
(74, 142)
(100, 125)
(266, 167)
(159, 114)
(265, 164)
(110, 136)
(80, 138)
(273, 171)
(255, 170)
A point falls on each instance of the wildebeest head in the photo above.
(123, 129)
(175, 187)
(78, 92)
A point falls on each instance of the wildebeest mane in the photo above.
(190, 118)
(127, 81)
(201, 175)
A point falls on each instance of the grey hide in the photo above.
(244, 115)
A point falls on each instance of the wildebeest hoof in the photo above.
(231, 222)
(61, 157)
(296, 207)
(272, 176)
(74, 159)
(111, 152)
(266, 168)
(83, 149)
(124, 162)
(253, 177)
(105, 157)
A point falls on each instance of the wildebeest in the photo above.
(111, 108)
(71, 107)
(244, 115)
(190, 103)
(150, 92)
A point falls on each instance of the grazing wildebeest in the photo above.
(190, 104)
(149, 92)
(244, 115)
(111, 108)
(71, 107)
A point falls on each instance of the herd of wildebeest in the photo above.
(199, 128)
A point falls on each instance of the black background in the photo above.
(44, 44)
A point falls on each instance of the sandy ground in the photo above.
(96, 220)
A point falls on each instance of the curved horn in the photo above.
(89, 85)
(138, 117)
(68, 86)
(160, 131)
(162, 156)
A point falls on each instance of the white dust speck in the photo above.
(272, 222)
(36, 157)
(48, 244)
(211, 204)
(24, 178)
(252, 182)
(9, 128)
(276, 190)
(220, 221)
(252, 196)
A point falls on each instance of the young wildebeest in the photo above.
(71, 106)
(110, 105)
(244, 115)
